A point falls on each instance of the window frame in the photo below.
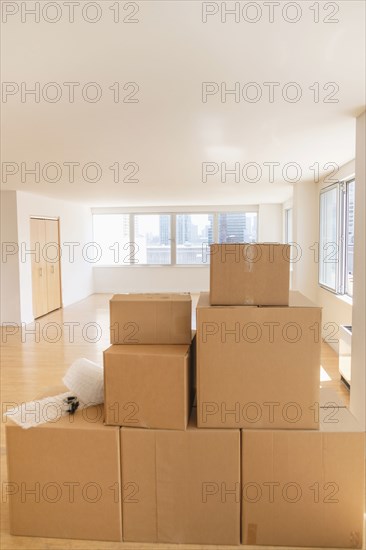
(346, 242)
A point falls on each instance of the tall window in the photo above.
(168, 239)
(337, 237)
(329, 238)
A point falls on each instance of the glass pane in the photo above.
(350, 228)
(238, 227)
(111, 233)
(328, 248)
(194, 232)
(152, 239)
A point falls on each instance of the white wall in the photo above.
(358, 383)
(305, 235)
(151, 279)
(270, 223)
(75, 227)
(10, 299)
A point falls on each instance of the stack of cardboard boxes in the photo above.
(256, 461)
(149, 384)
(302, 465)
(148, 368)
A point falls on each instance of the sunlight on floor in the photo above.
(324, 377)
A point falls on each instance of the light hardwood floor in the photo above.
(33, 363)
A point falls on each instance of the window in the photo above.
(337, 237)
(168, 239)
(151, 239)
(193, 233)
(329, 239)
(238, 227)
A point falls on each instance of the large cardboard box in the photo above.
(258, 367)
(148, 386)
(249, 274)
(64, 478)
(151, 318)
(305, 488)
(181, 486)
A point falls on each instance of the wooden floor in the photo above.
(33, 363)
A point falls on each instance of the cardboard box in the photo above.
(151, 318)
(64, 478)
(148, 386)
(258, 367)
(249, 274)
(181, 487)
(304, 488)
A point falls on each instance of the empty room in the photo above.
(183, 274)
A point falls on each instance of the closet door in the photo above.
(52, 255)
(39, 271)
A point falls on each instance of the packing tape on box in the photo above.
(83, 379)
(252, 534)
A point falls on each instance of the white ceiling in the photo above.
(170, 132)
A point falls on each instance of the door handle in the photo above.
(52, 268)
(40, 272)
